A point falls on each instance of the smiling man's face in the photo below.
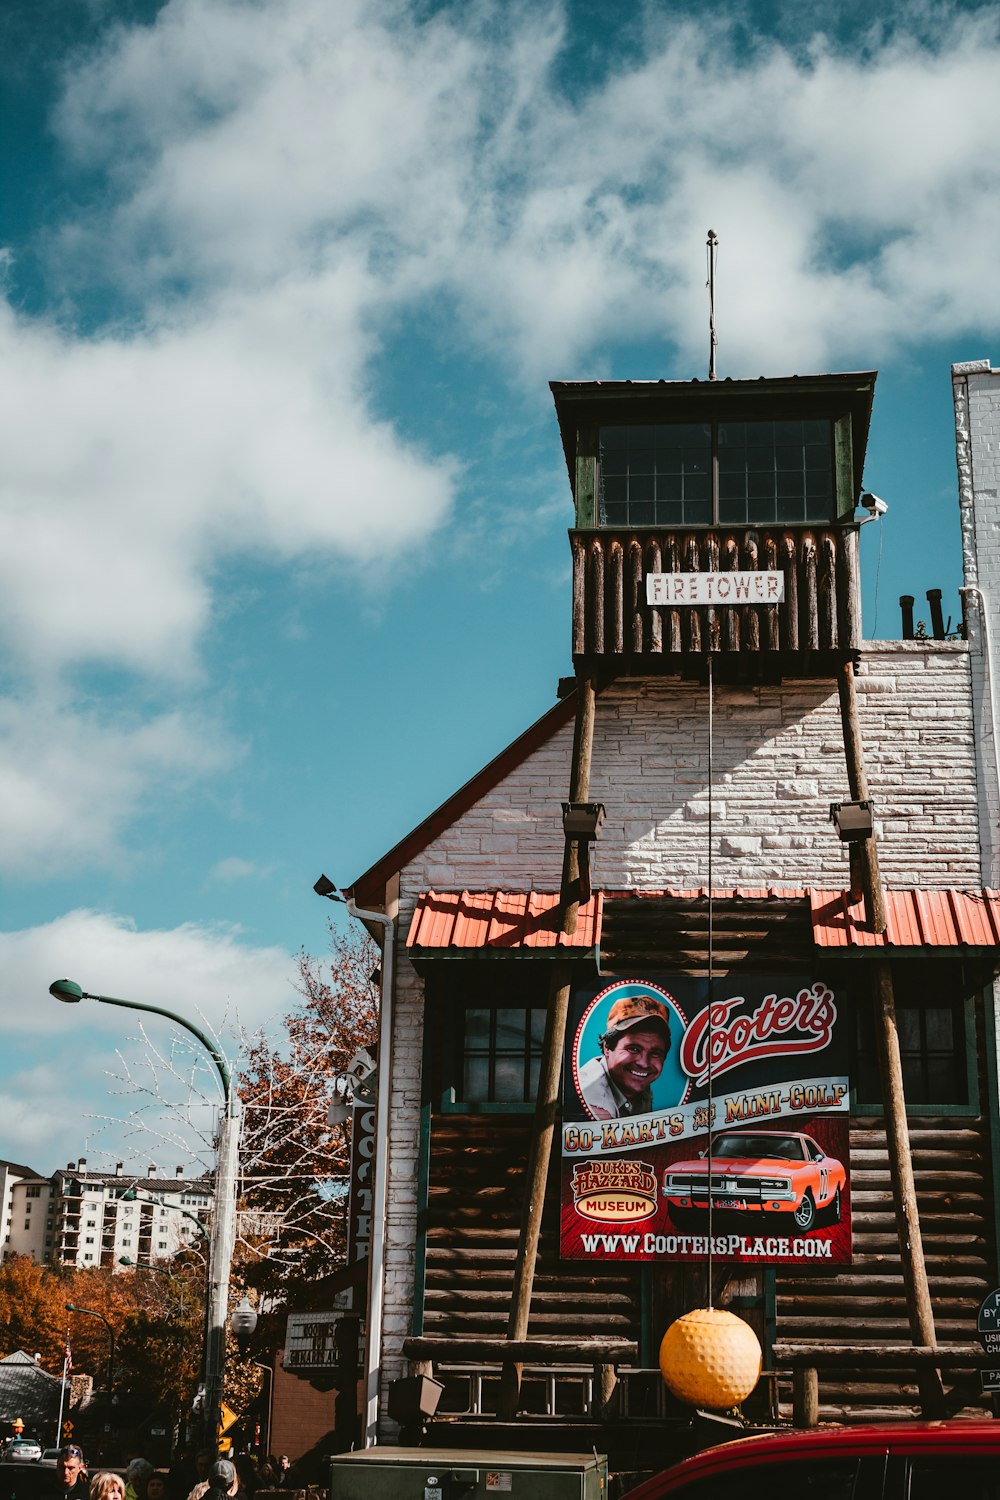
(635, 1059)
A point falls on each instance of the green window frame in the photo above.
(777, 472)
(936, 1023)
(492, 1027)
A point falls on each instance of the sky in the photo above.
(283, 508)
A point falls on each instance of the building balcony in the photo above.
(817, 624)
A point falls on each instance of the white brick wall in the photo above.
(977, 445)
(778, 764)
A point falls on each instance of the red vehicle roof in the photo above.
(952, 1437)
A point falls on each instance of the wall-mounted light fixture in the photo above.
(852, 820)
(582, 820)
(581, 825)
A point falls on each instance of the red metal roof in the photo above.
(500, 919)
(459, 921)
(914, 919)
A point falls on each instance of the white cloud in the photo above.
(286, 181)
(134, 466)
(235, 868)
(440, 154)
(71, 781)
(194, 969)
(205, 974)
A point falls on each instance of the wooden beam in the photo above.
(550, 1070)
(919, 1309)
(535, 1351)
(857, 779)
(855, 1356)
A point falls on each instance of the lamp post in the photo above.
(134, 1265)
(91, 1312)
(131, 1196)
(223, 1234)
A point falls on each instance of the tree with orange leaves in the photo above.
(295, 1163)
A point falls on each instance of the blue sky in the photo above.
(283, 509)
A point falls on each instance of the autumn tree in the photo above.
(295, 1162)
(156, 1320)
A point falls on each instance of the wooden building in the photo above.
(715, 737)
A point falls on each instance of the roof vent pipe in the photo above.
(937, 618)
(906, 605)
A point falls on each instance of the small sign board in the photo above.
(988, 1326)
(715, 588)
(990, 1379)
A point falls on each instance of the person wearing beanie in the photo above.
(222, 1481)
(136, 1476)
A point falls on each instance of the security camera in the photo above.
(361, 1066)
(325, 887)
(874, 504)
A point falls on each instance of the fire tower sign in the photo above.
(715, 588)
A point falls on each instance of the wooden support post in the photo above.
(805, 1397)
(911, 1251)
(919, 1308)
(605, 1381)
(550, 1071)
(866, 859)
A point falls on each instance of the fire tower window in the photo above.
(716, 473)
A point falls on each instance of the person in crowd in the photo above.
(267, 1478)
(188, 1469)
(246, 1474)
(106, 1485)
(282, 1464)
(70, 1480)
(156, 1485)
(222, 1481)
(136, 1478)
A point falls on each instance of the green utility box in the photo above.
(467, 1474)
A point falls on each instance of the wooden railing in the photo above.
(821, 611)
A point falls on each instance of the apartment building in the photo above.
(86, 1218)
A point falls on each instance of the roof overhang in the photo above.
(600, 402)
(450, 924)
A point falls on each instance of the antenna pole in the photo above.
(712, 247)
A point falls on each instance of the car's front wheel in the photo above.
(805, 1214)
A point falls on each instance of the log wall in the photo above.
(473, 1215)
(865, 1301)
(611, 619)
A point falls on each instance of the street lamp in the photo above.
(131, 1196)
(243, 1324)
(134, 1265)
(91, 1312)
(220, 1252)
